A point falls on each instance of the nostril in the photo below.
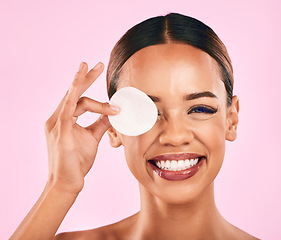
(174, 136)
(175, 139)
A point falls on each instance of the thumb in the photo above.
(99, 127)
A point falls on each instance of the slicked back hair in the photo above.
(171, 28)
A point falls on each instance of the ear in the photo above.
(232, 120)
(114, 137)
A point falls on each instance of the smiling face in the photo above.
(193, 123)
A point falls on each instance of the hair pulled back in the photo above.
(172, 28)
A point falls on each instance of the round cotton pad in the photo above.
(138, 112)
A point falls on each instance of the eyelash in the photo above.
(198, 109)
(202, 109)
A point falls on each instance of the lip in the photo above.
(177, 175)
(176, 156)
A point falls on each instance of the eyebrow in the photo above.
(188, 97)
(200, 95)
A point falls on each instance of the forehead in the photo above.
(176, 67)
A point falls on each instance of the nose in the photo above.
(175, 132)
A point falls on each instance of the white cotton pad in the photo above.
(137, 115)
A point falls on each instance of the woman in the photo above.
(185, 69)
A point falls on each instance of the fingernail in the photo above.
(115, 108)
(81, 66)
(99, 65)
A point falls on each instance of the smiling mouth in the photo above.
(177, 166)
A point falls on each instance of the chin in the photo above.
(185, 196)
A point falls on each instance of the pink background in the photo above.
(42, 45)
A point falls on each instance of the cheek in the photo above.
(135, 149)
(212, 136)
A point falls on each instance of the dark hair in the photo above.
(172, 28)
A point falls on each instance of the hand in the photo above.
(72, 148)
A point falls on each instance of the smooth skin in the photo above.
(182, 209)
(70, 159)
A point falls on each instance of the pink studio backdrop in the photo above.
(42, 45)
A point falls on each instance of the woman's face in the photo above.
(194, 120)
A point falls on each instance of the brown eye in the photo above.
(159, 116)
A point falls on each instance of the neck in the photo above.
(160, 220)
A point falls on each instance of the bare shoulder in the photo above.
(237, 233)
(245, 236)
(118, 230)
(93, 234)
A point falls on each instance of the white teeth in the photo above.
(187, 163)
(191, 162)
(181, 164)
(174, 165)
(158, 164)
(168, 164)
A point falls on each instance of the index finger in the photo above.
(83, 80)
(80, 84)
